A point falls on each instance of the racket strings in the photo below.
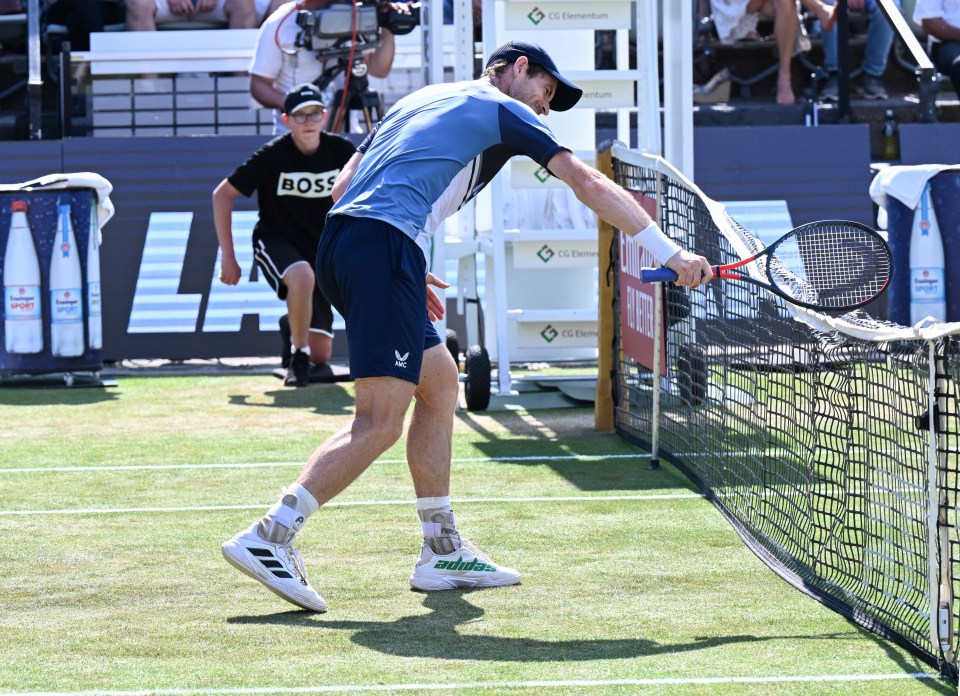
(832, 265)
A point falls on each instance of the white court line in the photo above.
(776, 451)
(473, 686)
(356, 503)
(265, 465)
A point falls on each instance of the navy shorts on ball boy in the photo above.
(374, 275)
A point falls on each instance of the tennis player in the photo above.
(432, 152)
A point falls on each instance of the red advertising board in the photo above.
(637, 299)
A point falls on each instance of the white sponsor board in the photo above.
(550, 16)
(555, 254)
(557, 334)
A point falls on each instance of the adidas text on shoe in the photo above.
(465, 568)
(298, 374)
(278, 567)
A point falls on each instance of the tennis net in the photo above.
(829, 442)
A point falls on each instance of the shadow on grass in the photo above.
(551, 438)
(435, 635)
(322, 399)
(55, 396)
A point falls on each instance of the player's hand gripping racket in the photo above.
(832, 265)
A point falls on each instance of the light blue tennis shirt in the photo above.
(435, 150)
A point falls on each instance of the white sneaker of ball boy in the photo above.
(266, 553)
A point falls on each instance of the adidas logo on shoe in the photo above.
(467, 567)
(278, 567)
(476, 564)
(269, 561)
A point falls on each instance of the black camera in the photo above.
(400, 22)
(331, 31)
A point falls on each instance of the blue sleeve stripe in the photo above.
(520, 129)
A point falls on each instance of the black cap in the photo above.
(568, 94)
(306, 94)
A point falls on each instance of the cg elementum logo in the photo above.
(542, 175)
(549, 333)
(545, 253)
(536, 16)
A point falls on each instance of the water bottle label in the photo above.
(93, 299)
(927, 285)
(65, 306)
(21, 302)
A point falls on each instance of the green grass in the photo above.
(655, 588)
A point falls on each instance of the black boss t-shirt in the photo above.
(293, 189)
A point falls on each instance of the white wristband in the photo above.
(657, 243)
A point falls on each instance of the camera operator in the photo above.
(279, 63)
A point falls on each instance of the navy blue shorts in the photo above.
(374, 275)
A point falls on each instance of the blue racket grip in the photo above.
(657, 275)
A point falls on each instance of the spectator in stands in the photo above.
(879, 41)
(278, 63)
(146, 15)
(293, 178)
(82, 17)
(737, 19)
(940, 19)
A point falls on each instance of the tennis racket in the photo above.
(827, 265)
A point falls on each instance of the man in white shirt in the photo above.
(278, 64)
(940, 19)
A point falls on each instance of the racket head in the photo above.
(829, 265)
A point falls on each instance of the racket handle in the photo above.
(657, 275)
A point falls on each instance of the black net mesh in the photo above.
(815, 445)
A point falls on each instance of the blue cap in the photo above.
(568, 94)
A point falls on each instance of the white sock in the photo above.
(441, 502)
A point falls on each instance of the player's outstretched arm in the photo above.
(618, 207)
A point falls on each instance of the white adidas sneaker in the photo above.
(467, 567)
(279, 567)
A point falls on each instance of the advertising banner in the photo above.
(52, 317)
(549, 15)
(637, 299)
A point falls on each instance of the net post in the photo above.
(658, 295)
(939, 430)
(603, 419)
(940, 590)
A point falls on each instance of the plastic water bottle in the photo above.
(890, 141)
(94, 318)
(66, 298)
(22, 308)
(928, 286)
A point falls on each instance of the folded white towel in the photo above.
(905, 183)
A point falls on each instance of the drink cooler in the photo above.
(43, 217)
(945, 197)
